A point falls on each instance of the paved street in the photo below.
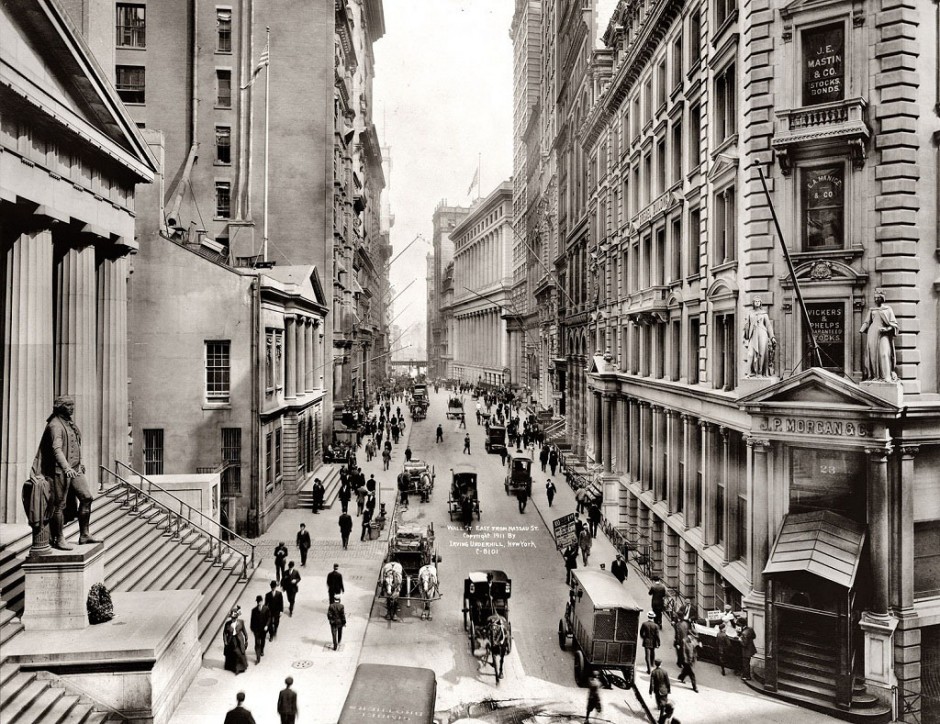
(538, 676)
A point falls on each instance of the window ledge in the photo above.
(730, 141)
(694, 68)
(723, 28)
(130, 47)
(216, 405)
(222, 108)
(725, 265)
(223, 164)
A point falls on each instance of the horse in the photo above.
(427, 580)
(391, 588)
(425, 487)
(497, 641)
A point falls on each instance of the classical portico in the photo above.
(70, 158)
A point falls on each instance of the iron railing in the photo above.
(177, 523)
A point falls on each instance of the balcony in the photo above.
(648, 306)
(840, 123)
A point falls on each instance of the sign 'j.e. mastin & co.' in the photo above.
(815, 426)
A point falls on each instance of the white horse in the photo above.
(392, 574)
(427, 579)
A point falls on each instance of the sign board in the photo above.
(563, 529)
(828, 323)
(824, 64)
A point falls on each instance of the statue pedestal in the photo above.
(140, 663)
(892, 392)
(878, 630)
(57, 586)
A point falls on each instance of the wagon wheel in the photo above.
(562, 634)
(509, 641)
(580, 668)
(472, 636)
(466, 610)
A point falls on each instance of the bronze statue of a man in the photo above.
(60, 462)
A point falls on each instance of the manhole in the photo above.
(302, 664)
(208, 682)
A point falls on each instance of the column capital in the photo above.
(725, 432)
(758, 443)
(879, 452)
(671, 413)
(608, 396)
(705, 424)
(908, 451)
(657, 408)
(686, 418)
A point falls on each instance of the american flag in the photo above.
(262, 63)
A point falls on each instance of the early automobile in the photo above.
(495, 438)
(454, 408)
(404, 694)
(463, 485)
(603, 623)
(519, 477)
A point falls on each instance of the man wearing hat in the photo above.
(619, 568)
(239, 715)
(660, 686)
(59, 459)
(649, 634)
(336, 615)
(287, 703)
(260, 621)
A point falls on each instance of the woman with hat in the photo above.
(235, 642)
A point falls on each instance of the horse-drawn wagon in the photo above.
(416, 478)
(519, 477)
(486, 614)
(603, 622)
(454, 408)
(463, 486)
(410, 569)
(495, 438)
(419, 409)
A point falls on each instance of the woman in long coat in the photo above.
(235, 643)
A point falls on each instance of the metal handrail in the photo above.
(190, 509)
(175, 523)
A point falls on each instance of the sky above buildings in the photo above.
(443, 99)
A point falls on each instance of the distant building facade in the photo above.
(439, 343)
(482, 283)
(70, 159)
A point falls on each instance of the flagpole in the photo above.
(267, 116)
(479, 175)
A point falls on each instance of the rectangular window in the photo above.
(627, 130)
(677, 152)
(659, 352)
(223, 199)
(675, 251)
(827, 479)
(223, 26)
(725, 346)
(223, 88)
(646, 278)
(823, 64)
(637, 118)
(828, 323)
(130, 83)
(693, 350)
(131, 25)
(269, 461)
(725, 237)
(659, 262)
(723, 10)
(647, 178)
(720, 513)
(927, 558)
(232, 457)
(679, 502)
(153, 451)
(635, 268)
(693, 259)
(661, 167)
(741, 527)
(648, 98)
(636, 190)
(823, 207)
(269, 360)
(218, 371)
(223, 145)
(695, 37)
(677, 69)
(279, 358)
(695, 136)
(726, 116)
(278, 458)
(662, 80)
(675, 349)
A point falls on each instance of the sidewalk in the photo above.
(721, 698)
(303, 647)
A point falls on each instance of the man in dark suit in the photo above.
(658, 599)
(660, 687)
(260, 620)
(303, 543)
(280, 559)
(345, 527)
(239, 715)
(287, 703)
(318, 491)
(274, 600)
(334, 583)
(336, 615)
(619, 568)
(290, 583)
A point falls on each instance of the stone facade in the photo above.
(481, 287)
(70, 158)
(439, 330)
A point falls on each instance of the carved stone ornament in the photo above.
(821, 271)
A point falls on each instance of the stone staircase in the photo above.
(140, 555)
(30, 697)
(329, 476)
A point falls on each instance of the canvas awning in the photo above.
(823, 543)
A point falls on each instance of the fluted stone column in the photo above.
(77, 347)
(689, 471)
(757, 496)
(605, 431)
(879, 527)
(301, 349)
(656, 464)
(28, 390)
(310, 374)
(644, 454)
(112, 359)
(672, 458)
(290, 359)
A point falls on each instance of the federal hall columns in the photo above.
(64, 325)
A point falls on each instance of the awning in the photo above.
(822, 543)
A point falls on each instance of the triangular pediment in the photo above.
(46, 61)
(819, 389)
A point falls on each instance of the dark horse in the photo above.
(497, 642)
